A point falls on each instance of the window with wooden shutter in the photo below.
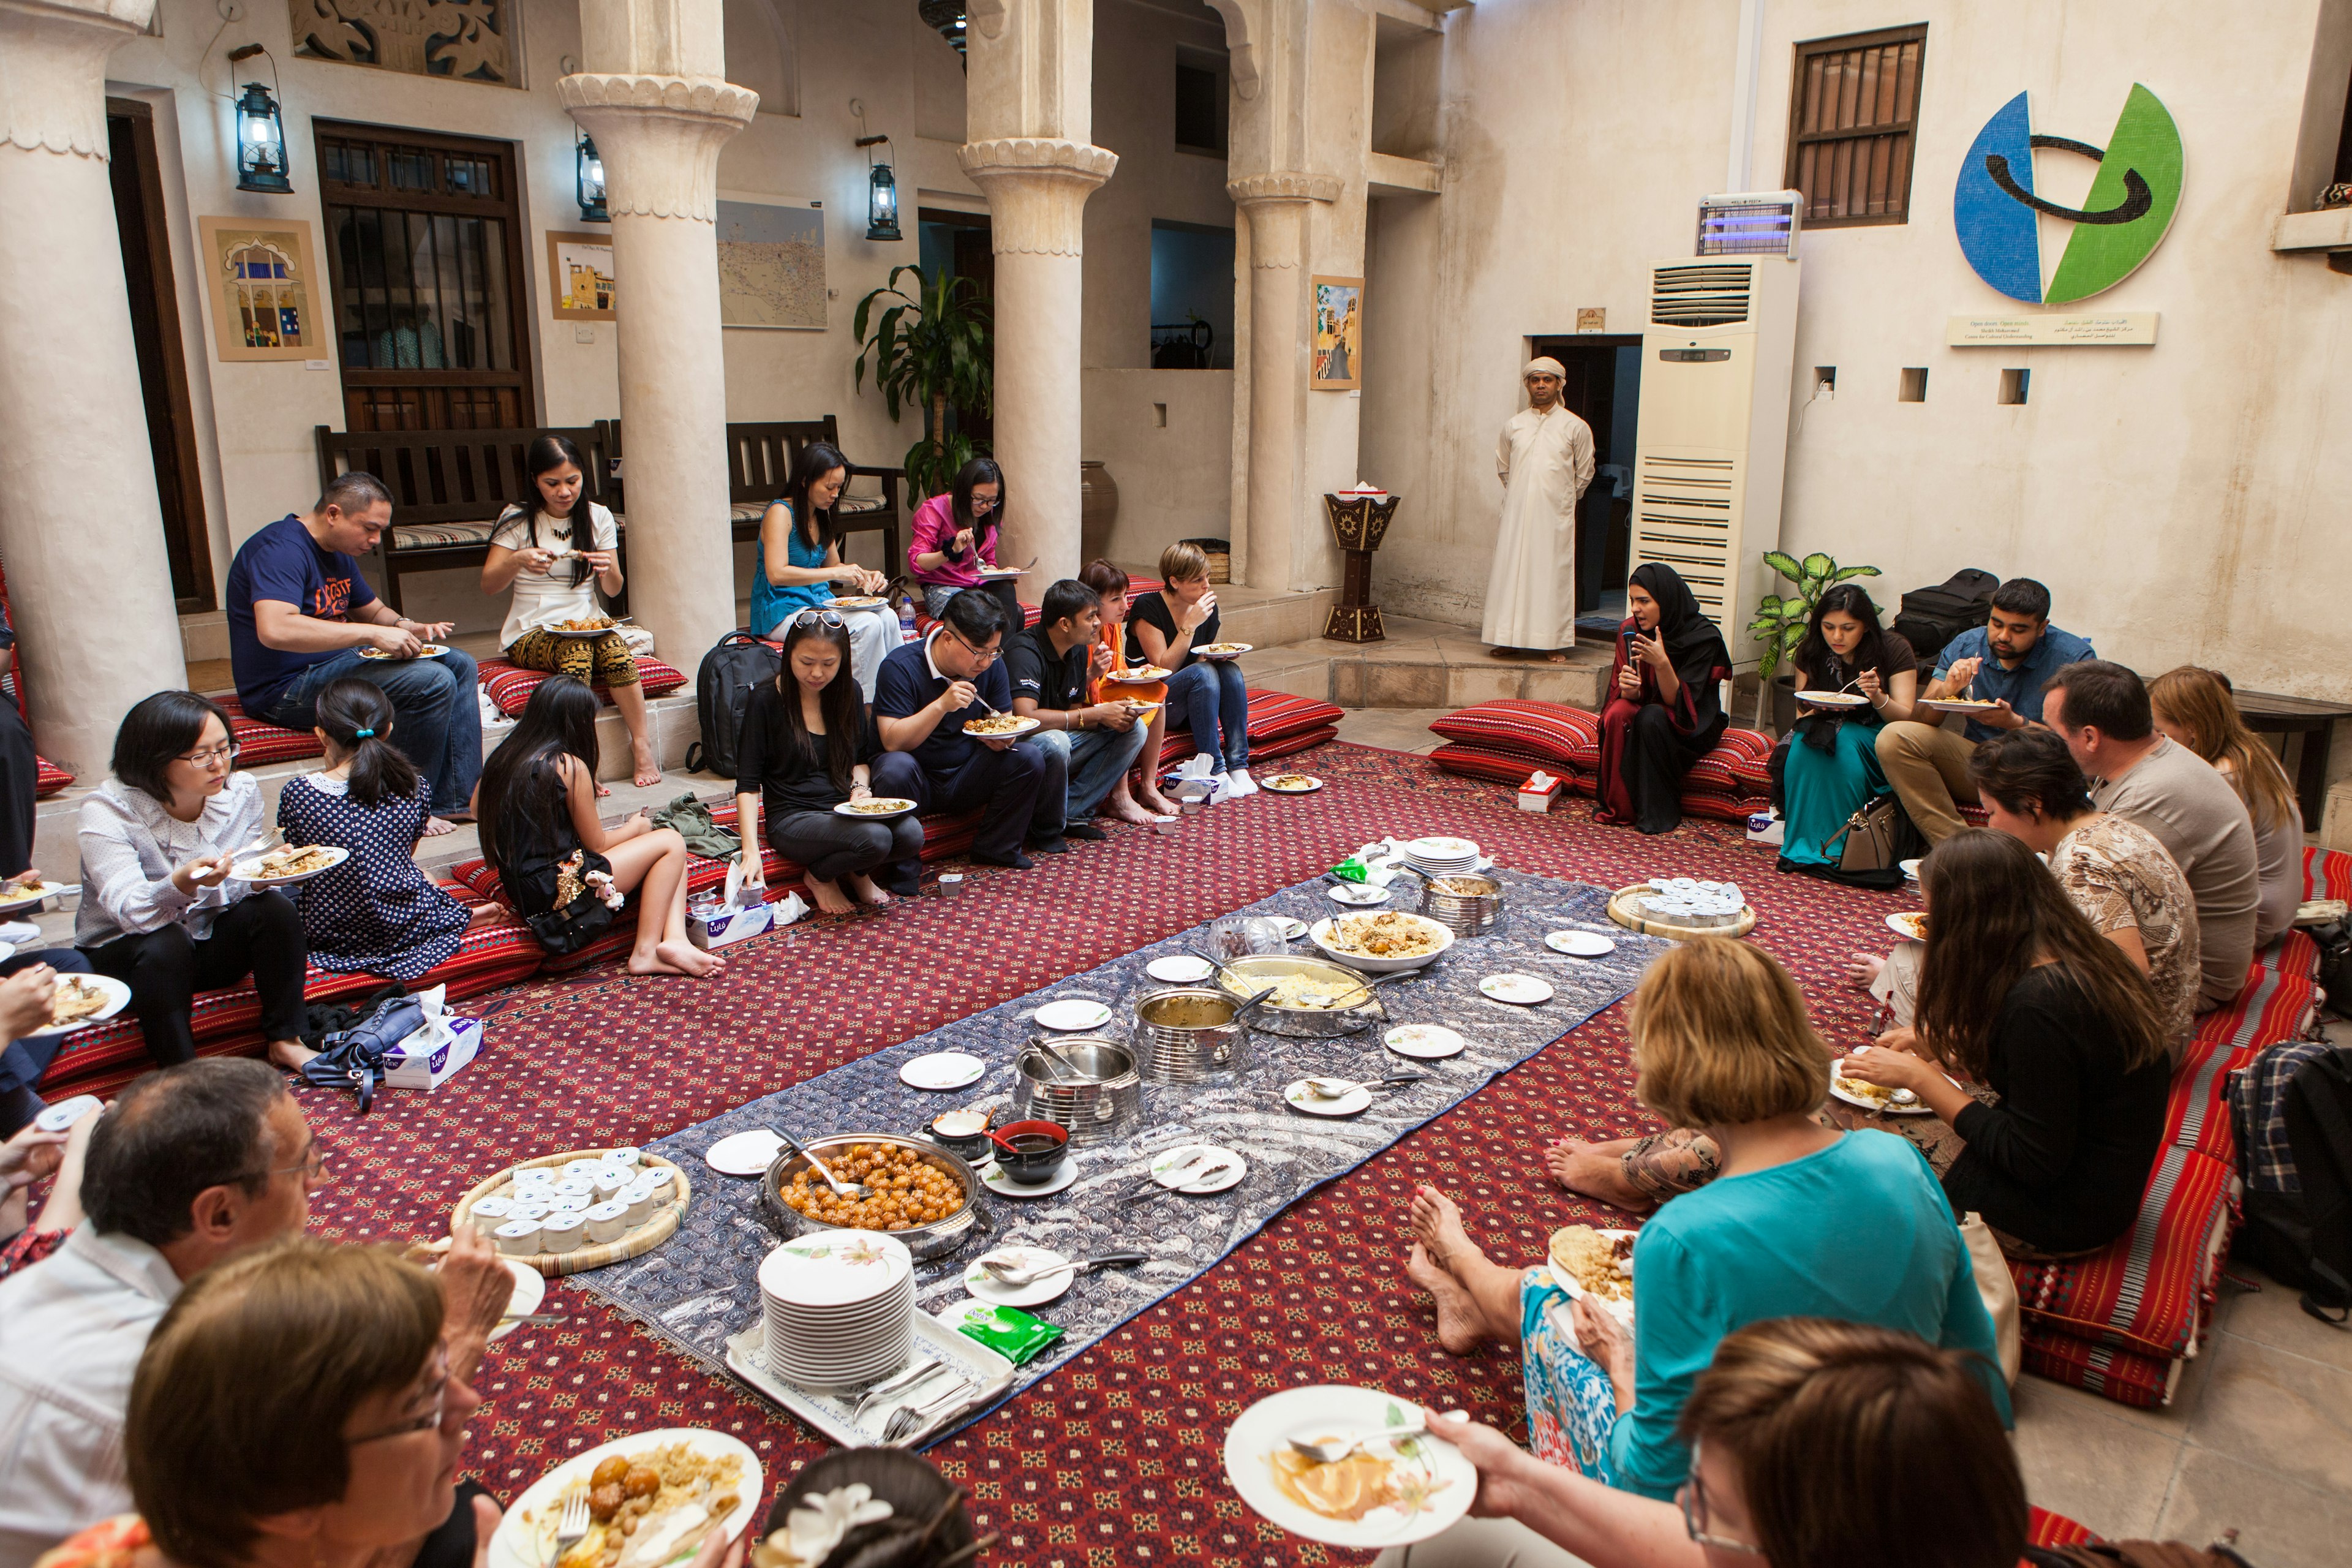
(1853, 114)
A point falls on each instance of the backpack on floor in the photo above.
(1929, 618)
(2293, 1113)
(722, 689)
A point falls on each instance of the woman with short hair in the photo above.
(1800, 1431)
(1142, 803)
(1207, 697)
(1665, 701)
(1827, 768)
(955, 537)
(159, 909)
(798, 566)
(1803, 1220)
(2196, 707)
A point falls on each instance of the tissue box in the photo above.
(1538, 792)
(432, 1055)
(726, 924)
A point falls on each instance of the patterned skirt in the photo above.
(603, 661)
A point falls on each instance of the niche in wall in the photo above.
(762, 54)
(1192, 296)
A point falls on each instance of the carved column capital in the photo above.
(659, 137)
(1037, 188)
(1283, 185)
(53, 71)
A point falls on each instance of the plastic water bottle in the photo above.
(906, 620)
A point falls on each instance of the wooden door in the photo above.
(155, 329)
(426, 254)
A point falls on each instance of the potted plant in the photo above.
(929, 350)
(1781, 621)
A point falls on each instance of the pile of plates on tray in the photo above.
(839, 1307)
(1441, 856)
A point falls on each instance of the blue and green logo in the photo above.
(2120, 223)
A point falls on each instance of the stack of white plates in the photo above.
(1442, 857)
(840, 1308)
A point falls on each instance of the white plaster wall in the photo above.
(1172, 478)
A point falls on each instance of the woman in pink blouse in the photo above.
(955, 540)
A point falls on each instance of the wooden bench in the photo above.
(2267, 713)
(759, 464)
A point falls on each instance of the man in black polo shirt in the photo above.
(923, 696)
(1052, 664)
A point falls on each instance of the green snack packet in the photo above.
(1352, 869)
(1011, 1332)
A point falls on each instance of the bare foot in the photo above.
(1437, 1225)
(1562, 1157)
(1861, 969)
(1152, 800)
(862, 888)
(604, 790)
(1457, 1315)
(1555, 658)
(829, 897)
(649, 961)
(291, 1054)
(435, 827)
(648, 772)
(1595, 1171)
(483, 914)
(685, 958)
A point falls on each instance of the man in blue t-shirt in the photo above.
(300, 615)
(2003, 663)
(925, 694)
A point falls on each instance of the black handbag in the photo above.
(352, 1058)
(574, 926)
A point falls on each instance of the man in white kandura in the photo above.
(1545, 459)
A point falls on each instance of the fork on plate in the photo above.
(573, 1527)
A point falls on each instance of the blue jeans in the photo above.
(1210, 697)
(935, 602)
(1097, 760)
(437, 723)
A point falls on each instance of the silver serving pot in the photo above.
(1098, 1094)
(1252, 976)
(1190, 1034)
(1465, 914)
(934, 1240)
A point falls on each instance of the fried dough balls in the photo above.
(905, 1190)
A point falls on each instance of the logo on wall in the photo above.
(2120, 223)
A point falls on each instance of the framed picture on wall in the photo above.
(770, 262)
(263, 276)
(580, 276)
(1338, 335)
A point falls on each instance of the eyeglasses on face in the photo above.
(209, 756)
(986, 656)
(1692, 1497)
(981, 503)
(309, 1169)
(437, 1391)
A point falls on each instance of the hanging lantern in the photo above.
(882, 194)
(260, 143)
(945, 17)
(589, 179)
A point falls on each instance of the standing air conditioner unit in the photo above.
(1717, 361)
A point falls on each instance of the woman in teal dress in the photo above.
(798, 535)
(1828, 766)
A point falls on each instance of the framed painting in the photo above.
(263, 276)
(580, 276)
(770, 262)
(1338, 334)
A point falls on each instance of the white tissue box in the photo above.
(729, 923)
(434, 1054)
(1538, 792)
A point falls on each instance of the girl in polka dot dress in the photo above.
(378, 912)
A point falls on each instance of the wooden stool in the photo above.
(1358, 522)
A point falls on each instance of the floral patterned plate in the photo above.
(1397, 1493)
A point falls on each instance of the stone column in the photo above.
(1038, 189)
(81, 536)
(660, 135)
(1278, 207)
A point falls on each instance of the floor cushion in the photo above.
(2327, 873)
(1278, 715)
(48, 778)
(2043, 1528)
(1548, 733)
(1714, 773)
(511, 685)
(1476, 762)
(258, 743)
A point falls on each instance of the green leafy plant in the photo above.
(930, 348)
(1781, 622)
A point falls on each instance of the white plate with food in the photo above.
(1217, 651)
(1873, 1096)
(987, 1287)
(81, 1000)
(1180, 969)
(1000, 726)
(530, 1292)
(998, 573)
(1968, 707)
(994, 1177)
(1073, 1015)
(1358, 894)
(294, 863)
(1381, 944)
(1910, 869)
(743, 1153)
(1424, 1042)
(856, 602)
(1300, 1096)
(1519, 989)
(942, 1069)
(1596, 1266)
(430, 650)
(1291, 783)
(18, 895)
(1833, 699)
(1141, 675)
(1389, 1492)
(1580, 943)
(1911, 925)
(664, 1520)
(585, 627)
(875, 808)
(1218, 1168)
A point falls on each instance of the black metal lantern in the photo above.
(590, 180)
(945, 17)
(260, 143)
(881, 195)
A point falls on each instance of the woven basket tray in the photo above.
(1622, 910)
(657, 1228)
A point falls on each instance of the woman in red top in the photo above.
(1666, 704)
(955, 541)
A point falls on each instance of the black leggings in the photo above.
(831, 847)
(260, 935)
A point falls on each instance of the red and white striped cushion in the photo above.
(1277, 716)
(48, 778)
(1716, 772)
(259, 744)
(1540, 731)
(2327, 873)
(511, 685)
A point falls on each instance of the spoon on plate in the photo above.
(1012, 1274)
(1340, 1088)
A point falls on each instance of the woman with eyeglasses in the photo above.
(1803, 1433)
(955, 540)
(798, 564)
(555, 553)
(808, 745)
(159, 909)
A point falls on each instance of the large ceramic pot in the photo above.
(1097, 510)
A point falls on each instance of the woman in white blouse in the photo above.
(159, 909)
(555, 566)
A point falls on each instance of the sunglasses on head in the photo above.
(819, 618)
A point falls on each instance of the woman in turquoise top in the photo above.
(1860, 678)
(809, 573)
(1804, 1221)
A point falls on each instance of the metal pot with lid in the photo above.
(1188, 1033)
(1086, 1083)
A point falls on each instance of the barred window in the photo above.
(1852, 116)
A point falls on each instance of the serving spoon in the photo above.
(1013, 1275)
(841, 1188)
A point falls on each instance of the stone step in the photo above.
(1423, 664)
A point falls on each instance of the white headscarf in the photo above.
(1546, 366)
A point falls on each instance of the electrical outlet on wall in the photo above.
(584, 334)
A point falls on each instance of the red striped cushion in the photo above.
(1475, 762)
(2152, 1290)
(259, 744)
(1713, 773)
(2043, 1528)
(1543, 731)
(1290, 745)
(2294, 953)
(48, 778)
(2327, 873)
(511, 685)
(2125, 1376)
(1278, 715)
(1721, 807)
(1750, 776)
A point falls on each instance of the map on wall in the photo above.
(771, 263)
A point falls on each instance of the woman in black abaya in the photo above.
(1665, 706)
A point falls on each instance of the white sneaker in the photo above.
(1239, 782)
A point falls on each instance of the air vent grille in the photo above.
(1701, 296)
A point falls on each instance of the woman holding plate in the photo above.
(1143, 802)
(1208, 695)
(954, 547)
(1859, 676)
(797, 565)
(807, 746)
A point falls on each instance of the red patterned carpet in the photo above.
(1114, 1459)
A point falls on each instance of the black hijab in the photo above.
(1693, 645)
